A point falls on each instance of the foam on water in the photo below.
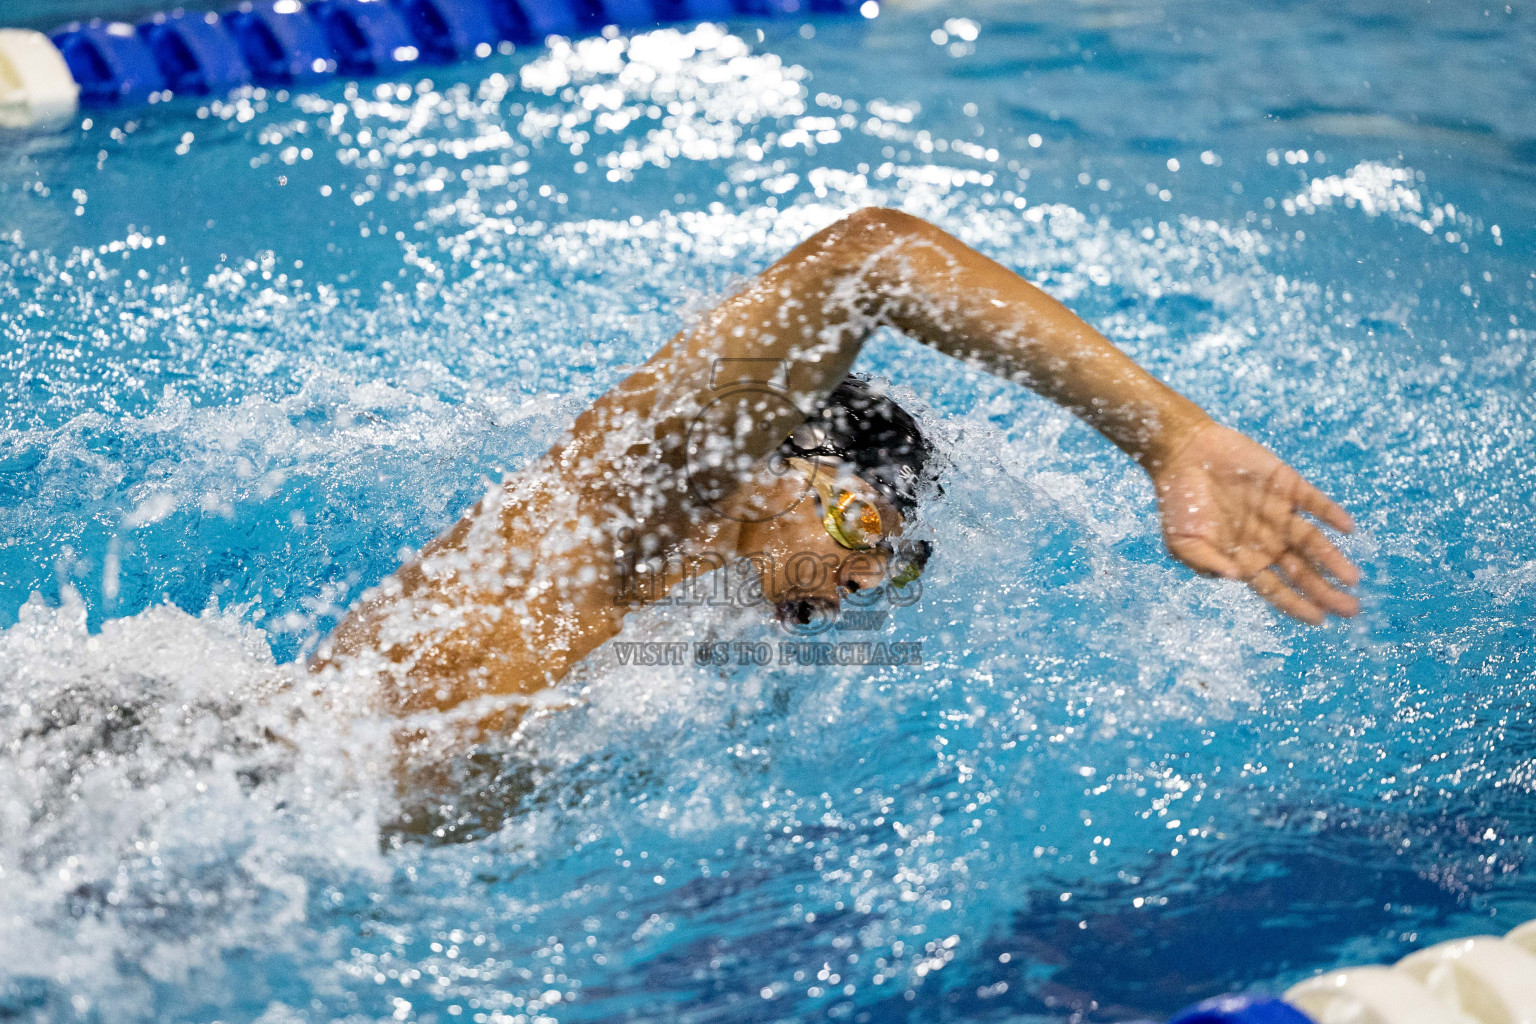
(216, 436)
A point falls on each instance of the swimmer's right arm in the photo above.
(812, 311)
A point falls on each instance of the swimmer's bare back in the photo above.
(509, 599)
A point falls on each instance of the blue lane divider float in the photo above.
(282, 42)
(195, 53)
(368, 37)
(450, 30)
(626, 12)
(110, 61)
(680, 10)
(578, 17)
(288, 42)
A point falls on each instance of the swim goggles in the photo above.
(855, 522)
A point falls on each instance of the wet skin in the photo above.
(502, 605)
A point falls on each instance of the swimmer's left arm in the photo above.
(1232, 508)
(1229, 506)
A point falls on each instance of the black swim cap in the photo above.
(877, 437)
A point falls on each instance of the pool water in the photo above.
(254, 349)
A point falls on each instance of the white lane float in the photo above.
(1479, 980)
(35, 84)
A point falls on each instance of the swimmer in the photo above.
(745, 442)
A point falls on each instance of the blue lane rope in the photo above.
(282, 43)
(450, 30)
(194, 53)
(111, 63)
(287, 42)
(369, 38)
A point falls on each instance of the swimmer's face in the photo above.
(804, 570)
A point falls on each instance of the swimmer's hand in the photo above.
(1231, 508)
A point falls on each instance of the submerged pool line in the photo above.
(281, 43)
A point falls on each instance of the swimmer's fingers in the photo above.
(1315, 502)
(1323, 553)
(1267, 584)
(1301, 576)
(1203, 557)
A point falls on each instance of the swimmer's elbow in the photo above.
(881, 224)
(868, 232)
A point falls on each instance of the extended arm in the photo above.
(1229, 506)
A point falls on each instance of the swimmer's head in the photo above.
(859, 466)
(874, 436)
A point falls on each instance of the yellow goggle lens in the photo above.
(855, 523)
(852, 522)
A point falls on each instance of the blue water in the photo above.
(253, 349)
